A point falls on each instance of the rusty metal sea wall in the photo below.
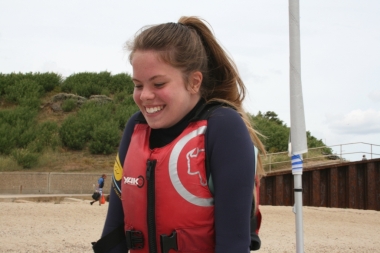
(353, 185)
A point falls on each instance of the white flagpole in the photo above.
(297, 119)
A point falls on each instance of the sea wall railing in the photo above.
(324, 155)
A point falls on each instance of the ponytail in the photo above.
(222, 82)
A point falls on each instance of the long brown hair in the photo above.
(190, 45)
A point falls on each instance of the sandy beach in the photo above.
(71, 225)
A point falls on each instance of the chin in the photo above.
(154, 125)
(158, 125)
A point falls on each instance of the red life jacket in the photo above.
(191, 235)
(170, 186)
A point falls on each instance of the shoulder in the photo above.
(134, 119)
(225, 117)
(131, 123)
(126, 138)
(226, 127)
(224, 111)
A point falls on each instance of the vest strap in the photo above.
(135, 239)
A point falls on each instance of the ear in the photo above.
(195, 82)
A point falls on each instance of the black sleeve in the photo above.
(231, 159)
(115, 215)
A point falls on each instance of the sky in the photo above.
(340, 52)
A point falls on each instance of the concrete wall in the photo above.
(51, 183)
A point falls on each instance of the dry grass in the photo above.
(76, 161)
(64, 161)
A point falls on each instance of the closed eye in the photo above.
(159, 85)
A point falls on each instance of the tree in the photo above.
(276, 134)
(272, 116)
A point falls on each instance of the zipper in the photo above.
(151, 202)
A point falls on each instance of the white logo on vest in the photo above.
(173, 172)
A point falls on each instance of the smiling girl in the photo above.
(185, 177)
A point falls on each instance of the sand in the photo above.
(71, 226)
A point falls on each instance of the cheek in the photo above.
(166, 95)
(136, 96)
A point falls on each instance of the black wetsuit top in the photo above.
(231, 160)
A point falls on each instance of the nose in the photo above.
(147, 94)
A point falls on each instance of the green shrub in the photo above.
(103, 79)
(121, 82)
(13, 116)
(35, 146)
(93, 113)
(30, 102)
(124, 98)
(8, 80)
(71, 83)
(105, 138)
(87, 83)
(3, 83)
(25, 134)
(17, 128)
(120, 96)
(128, 101)
(87, 89)
(46, 137)
(73, 133)
(123, 113)
(25, 158)
(69, 105)
(7, 138)
(78, 129)
(48, 81)
(23, 90)
(106, 92)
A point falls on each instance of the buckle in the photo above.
(169, 242)
(135, 239)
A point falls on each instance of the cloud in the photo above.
(375, 95)
(357, 122)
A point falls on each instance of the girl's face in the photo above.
(160, 91)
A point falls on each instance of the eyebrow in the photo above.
(150, 79)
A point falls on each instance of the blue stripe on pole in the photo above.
(297, 164)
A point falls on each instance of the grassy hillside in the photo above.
(48, 123)
(61, 159)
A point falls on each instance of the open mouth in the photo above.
(154, 109)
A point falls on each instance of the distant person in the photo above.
(99, 188)
(364, 158)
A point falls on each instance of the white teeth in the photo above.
(154, 109)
